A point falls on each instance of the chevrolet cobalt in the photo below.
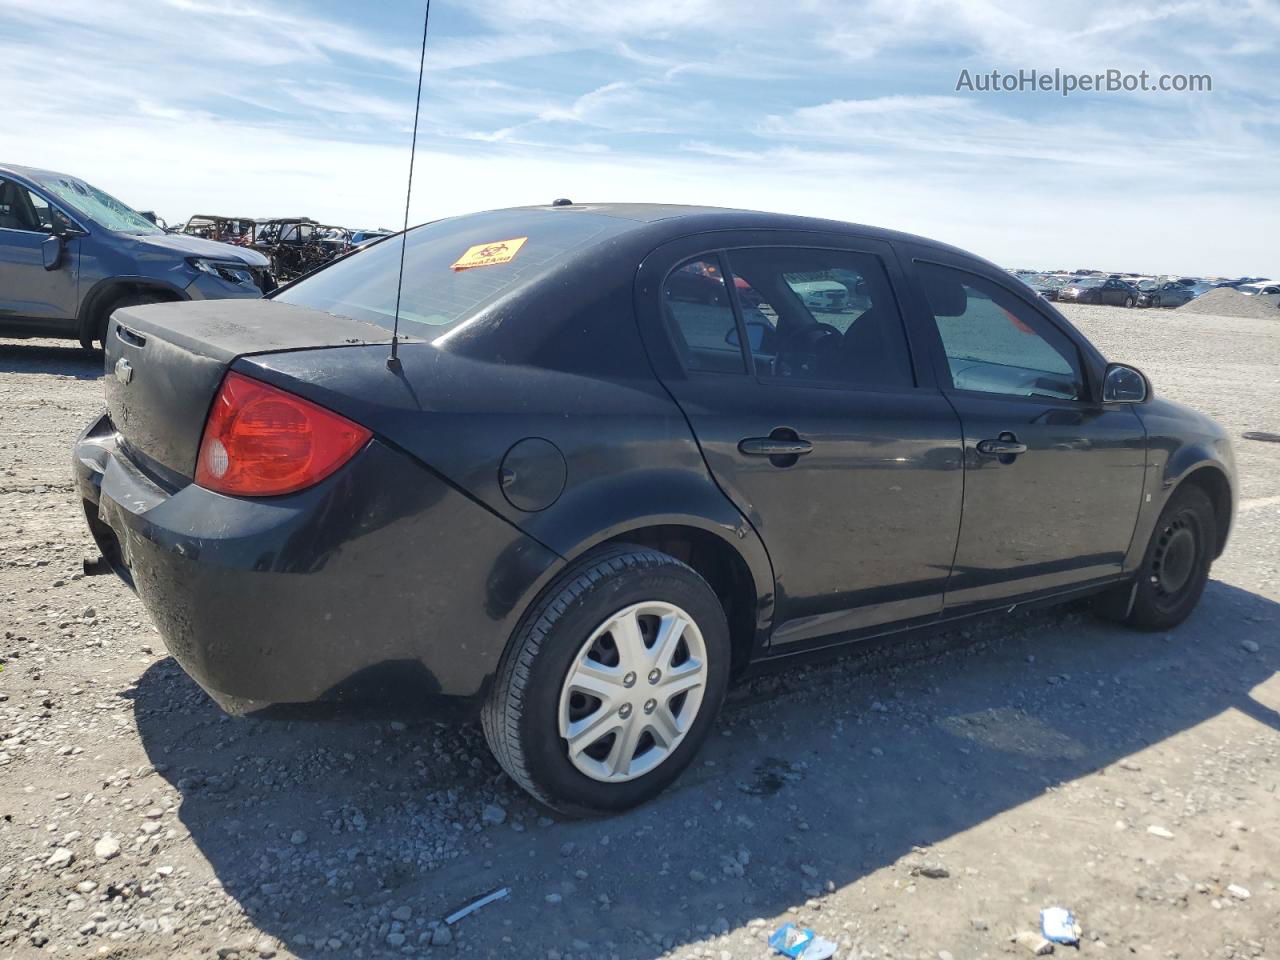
(621, 454)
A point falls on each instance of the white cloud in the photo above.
(815, 106)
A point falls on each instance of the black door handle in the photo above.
(1006, 446)
(770, 447)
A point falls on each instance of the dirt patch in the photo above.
(1226, 302)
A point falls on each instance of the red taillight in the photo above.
(261, 441)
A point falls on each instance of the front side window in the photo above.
(20, 209)
(700, 317)
(821, 315)
(996, 343)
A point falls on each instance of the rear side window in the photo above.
(446, 278)
(821, 315)
(995, 342)
(700, 317)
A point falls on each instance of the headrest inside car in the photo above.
(946, 294)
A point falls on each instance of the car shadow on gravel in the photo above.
(817, 776)
(70, 360)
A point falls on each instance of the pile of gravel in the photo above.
(1227, 302)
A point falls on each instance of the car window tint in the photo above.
(20, 209)
(438, 296)
(700, 318)
(821, 315)
(996, 343)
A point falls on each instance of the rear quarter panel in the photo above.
(630, 458)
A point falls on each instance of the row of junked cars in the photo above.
(1134, 290)
(294, 245)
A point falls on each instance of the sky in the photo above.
(837, 108)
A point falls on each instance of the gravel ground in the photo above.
(922, 799)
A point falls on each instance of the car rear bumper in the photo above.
(381, 576)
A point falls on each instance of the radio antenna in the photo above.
(393, 361)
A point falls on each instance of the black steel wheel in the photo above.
(1176, 566)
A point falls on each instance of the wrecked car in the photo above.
(71, 254)
(299, 245)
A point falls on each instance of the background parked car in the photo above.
(1167, 294)
(1255, 289)
(71, 254)
(1119, 293)
(1045, 285)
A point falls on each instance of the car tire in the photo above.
(1155, 301)
(568, 636)
(1128, 302)
(1176, 565)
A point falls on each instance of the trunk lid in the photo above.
(164, 363)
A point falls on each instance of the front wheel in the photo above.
(1128, 301)
(1155, 301)
(1175, 567)
(611, 683)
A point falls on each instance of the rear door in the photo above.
(788, 355)
(43, 301)
(1053, 477)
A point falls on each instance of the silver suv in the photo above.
(70, 255)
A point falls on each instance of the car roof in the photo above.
(32, 173)
(687, 219)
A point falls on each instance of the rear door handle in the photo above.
(770, 447)
(1006, 446)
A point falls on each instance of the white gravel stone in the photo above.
(107, 848)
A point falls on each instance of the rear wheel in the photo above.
(611, 683)
(1176, 565)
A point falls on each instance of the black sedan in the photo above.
(619, 455)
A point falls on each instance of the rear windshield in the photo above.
(452, 268)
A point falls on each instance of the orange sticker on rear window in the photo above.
(488, 254)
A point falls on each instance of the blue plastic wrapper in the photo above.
(1058, 925)
(790, 940)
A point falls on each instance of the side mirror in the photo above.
(1122, 384)
(51, 252)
